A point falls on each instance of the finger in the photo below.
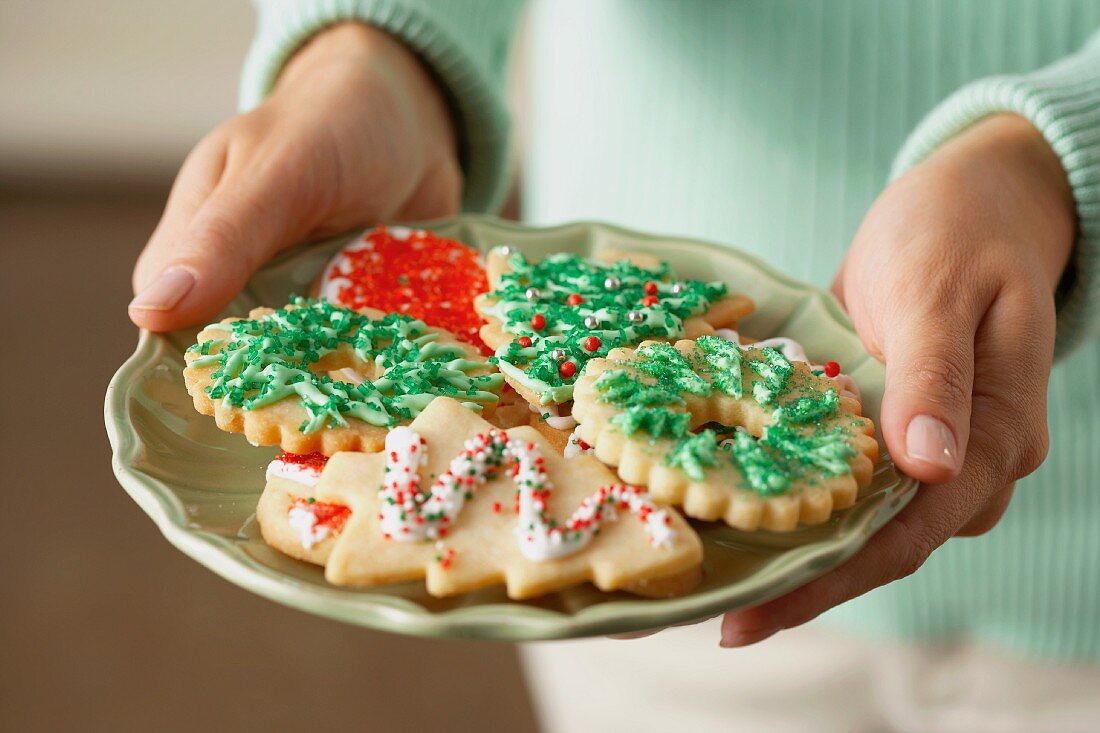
(988, 517)
(895, 550)
(203, 253)
(929, 378)
(1008, 441)
(934, 515)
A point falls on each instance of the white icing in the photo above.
(408, 514)
(296, 472)
(555, 420)
(303, 521)
(573, 446)
(794, 352)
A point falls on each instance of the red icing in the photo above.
(328, 515)
(315, 461)
(426, 276)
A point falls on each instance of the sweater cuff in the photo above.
(1063, 102)
(468, 68)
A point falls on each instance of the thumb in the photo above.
(929, 382)
(204, 251)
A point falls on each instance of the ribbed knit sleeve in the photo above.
(1063, 102)
(464, 43)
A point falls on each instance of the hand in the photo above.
(950, 282)
(354, 131)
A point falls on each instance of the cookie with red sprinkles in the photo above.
(410, 271)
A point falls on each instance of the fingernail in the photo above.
(927, 439)
(166, 291)
(739, 639)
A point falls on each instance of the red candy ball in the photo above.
(575, 299)
(567, 369)
(832, 369)
(592, 343)
(651, 288)
(649, 300)
(524, 341)
(538, 321)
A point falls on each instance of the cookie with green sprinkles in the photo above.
(315, 377)
(546, 319)
(727, 432)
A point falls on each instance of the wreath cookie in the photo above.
(316, 377)
(727, 432)
(547, 319)
(462, 504)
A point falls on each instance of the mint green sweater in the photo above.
(773, 125)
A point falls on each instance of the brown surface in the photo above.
(105, 626)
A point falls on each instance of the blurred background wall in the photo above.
(103, 625)
(94, 89)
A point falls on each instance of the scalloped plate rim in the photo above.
(495, 621)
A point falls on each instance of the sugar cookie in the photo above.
(316, 377)
(739, 434)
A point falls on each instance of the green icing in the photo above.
(660, 422)
(760, 466)
(669, 367)
(559, 276)
(659, 375)
(693, 454)
(775, 372)
(828, 452)
(262, 361)
(724, 359)
(619, 387)
(809, 409)
(783, 454)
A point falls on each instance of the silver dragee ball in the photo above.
(591, 322)
(558, 354)
(635, 316)
(611, 283)
(677, 288)
(532, 293)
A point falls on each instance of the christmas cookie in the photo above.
(547, 319)
(462, 504)
(316, 377)
(305, 528)
(745, 435)
(410, 271)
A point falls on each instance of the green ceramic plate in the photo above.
(201, 485)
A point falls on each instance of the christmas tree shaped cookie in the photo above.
(547, 319)
(463, 505)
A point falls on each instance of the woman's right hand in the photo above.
(355, 131)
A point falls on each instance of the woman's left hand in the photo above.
(950, 283)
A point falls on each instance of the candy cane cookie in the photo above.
(314, 377)
(735, 433)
